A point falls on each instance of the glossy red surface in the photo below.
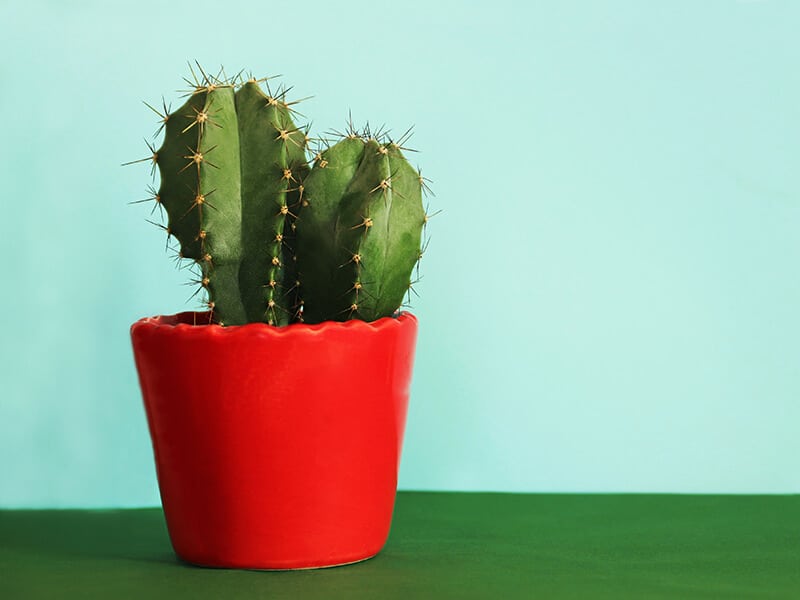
(276, 448)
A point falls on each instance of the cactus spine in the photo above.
(273, 240)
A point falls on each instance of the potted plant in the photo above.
(277, 415)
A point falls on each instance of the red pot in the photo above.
(276, 448)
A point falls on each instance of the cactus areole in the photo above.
(277, 414)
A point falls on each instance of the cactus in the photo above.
(358, 239)
(230, 168)
(273, 240)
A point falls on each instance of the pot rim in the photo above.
(199, 324)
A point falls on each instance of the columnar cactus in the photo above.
(359, 236)
(275, 241)
(230, 168)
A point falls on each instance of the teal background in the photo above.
(610, 298)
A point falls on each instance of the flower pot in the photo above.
(276, 448)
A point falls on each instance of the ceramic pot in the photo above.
(276, 447)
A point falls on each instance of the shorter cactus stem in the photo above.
(359, 238)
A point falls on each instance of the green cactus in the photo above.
(230, 169)
(274, 241)
(358, 239)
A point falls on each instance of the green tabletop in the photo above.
(442, 545)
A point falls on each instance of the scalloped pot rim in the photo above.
(196, 323)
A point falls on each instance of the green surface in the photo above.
(443, 545)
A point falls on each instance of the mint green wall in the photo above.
(610, 301)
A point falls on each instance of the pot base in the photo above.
(279, 569)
